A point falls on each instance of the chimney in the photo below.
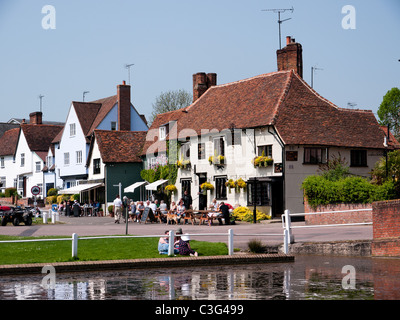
(124, 106)
(201, 83)
(35, 117)
(291, 57)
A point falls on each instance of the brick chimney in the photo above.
(35, 117)
(291, 57)
(201, 83)
(124, 107)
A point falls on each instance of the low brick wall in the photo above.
(338, 217)
(386, 228)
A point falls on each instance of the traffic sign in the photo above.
(35, 190)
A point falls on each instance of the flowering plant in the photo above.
(245, 214)
(206, 186)
(170, 188)
(216, 159)
(183, 164)
(262, 161)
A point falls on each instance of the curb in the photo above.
(171, 262)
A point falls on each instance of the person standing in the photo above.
(187, 200)
(117, 209)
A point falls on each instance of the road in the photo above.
(91, 226)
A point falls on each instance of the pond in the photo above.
(309, 277)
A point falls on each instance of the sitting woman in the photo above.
(184, 247)
(163, 245)
(180, 211)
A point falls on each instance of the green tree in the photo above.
(389, 111)
(170, 101)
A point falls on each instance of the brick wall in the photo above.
(386, 228)
(338, 217)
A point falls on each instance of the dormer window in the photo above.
(113, 125)
(72, 130)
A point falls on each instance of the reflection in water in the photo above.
(309, 277)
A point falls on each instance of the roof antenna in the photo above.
(279, 11)
(83, 96)
(312, 75)
(128, 66)
(40, 98)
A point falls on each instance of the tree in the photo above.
(170, 101)
(389, 111)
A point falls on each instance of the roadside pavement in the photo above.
(243, 231)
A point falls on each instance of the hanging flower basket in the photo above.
(262, 161)
(183, 164)
(169, 189)
(206, 186)
(216, 160)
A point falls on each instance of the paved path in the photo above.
(90, 226)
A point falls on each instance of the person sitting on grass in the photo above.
(163, 244)
(184, 247)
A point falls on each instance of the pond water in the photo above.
(309, 277)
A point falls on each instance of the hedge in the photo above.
(320, 191)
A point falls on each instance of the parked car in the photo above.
(16, 215)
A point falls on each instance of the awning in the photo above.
(153, 186)
(132, 187)
(79, 188)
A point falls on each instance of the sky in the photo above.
(85, 46)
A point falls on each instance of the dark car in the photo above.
(16, 215)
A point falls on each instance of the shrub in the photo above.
(52, 192)
(10, 192)
(245, 214)
(255, 246)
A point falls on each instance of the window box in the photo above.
(262, 161)
(216, 160)
(183, 164)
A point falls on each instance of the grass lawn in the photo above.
(91, 250)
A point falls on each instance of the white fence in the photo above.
(287, 223)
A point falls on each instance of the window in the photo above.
(49, 161)
(96, 166)
(186, 186)
(185, 151)
(79, 157)
(267, 150)
(20, 182)
(219, 146)
(66, 159)
(3, 182)
(163, 133)
(358, 158)
(38, 166)
(113, 125)
(201, 151)
(22, 159)
(220, 188)
(259, 194)
(2, 162)
(315, 155)
(72, 129)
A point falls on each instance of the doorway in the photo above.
(202, 197)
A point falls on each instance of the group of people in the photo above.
(134, 210)
(74, 208)
(181, 244)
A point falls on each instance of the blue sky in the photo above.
(169, 40)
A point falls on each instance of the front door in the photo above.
(202, 197)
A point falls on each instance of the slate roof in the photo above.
(119, 146)
(282, 99)
(40, 136)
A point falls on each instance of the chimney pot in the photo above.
(123, 82)
(288, 39)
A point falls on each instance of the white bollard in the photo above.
(57, 216)
(74, 245)
(45, 217)
(53, 217)
(171, 243)
(288, 222)
(230, 242)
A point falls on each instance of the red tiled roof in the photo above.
(282, 99)
(120, 146)
(8, 142)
